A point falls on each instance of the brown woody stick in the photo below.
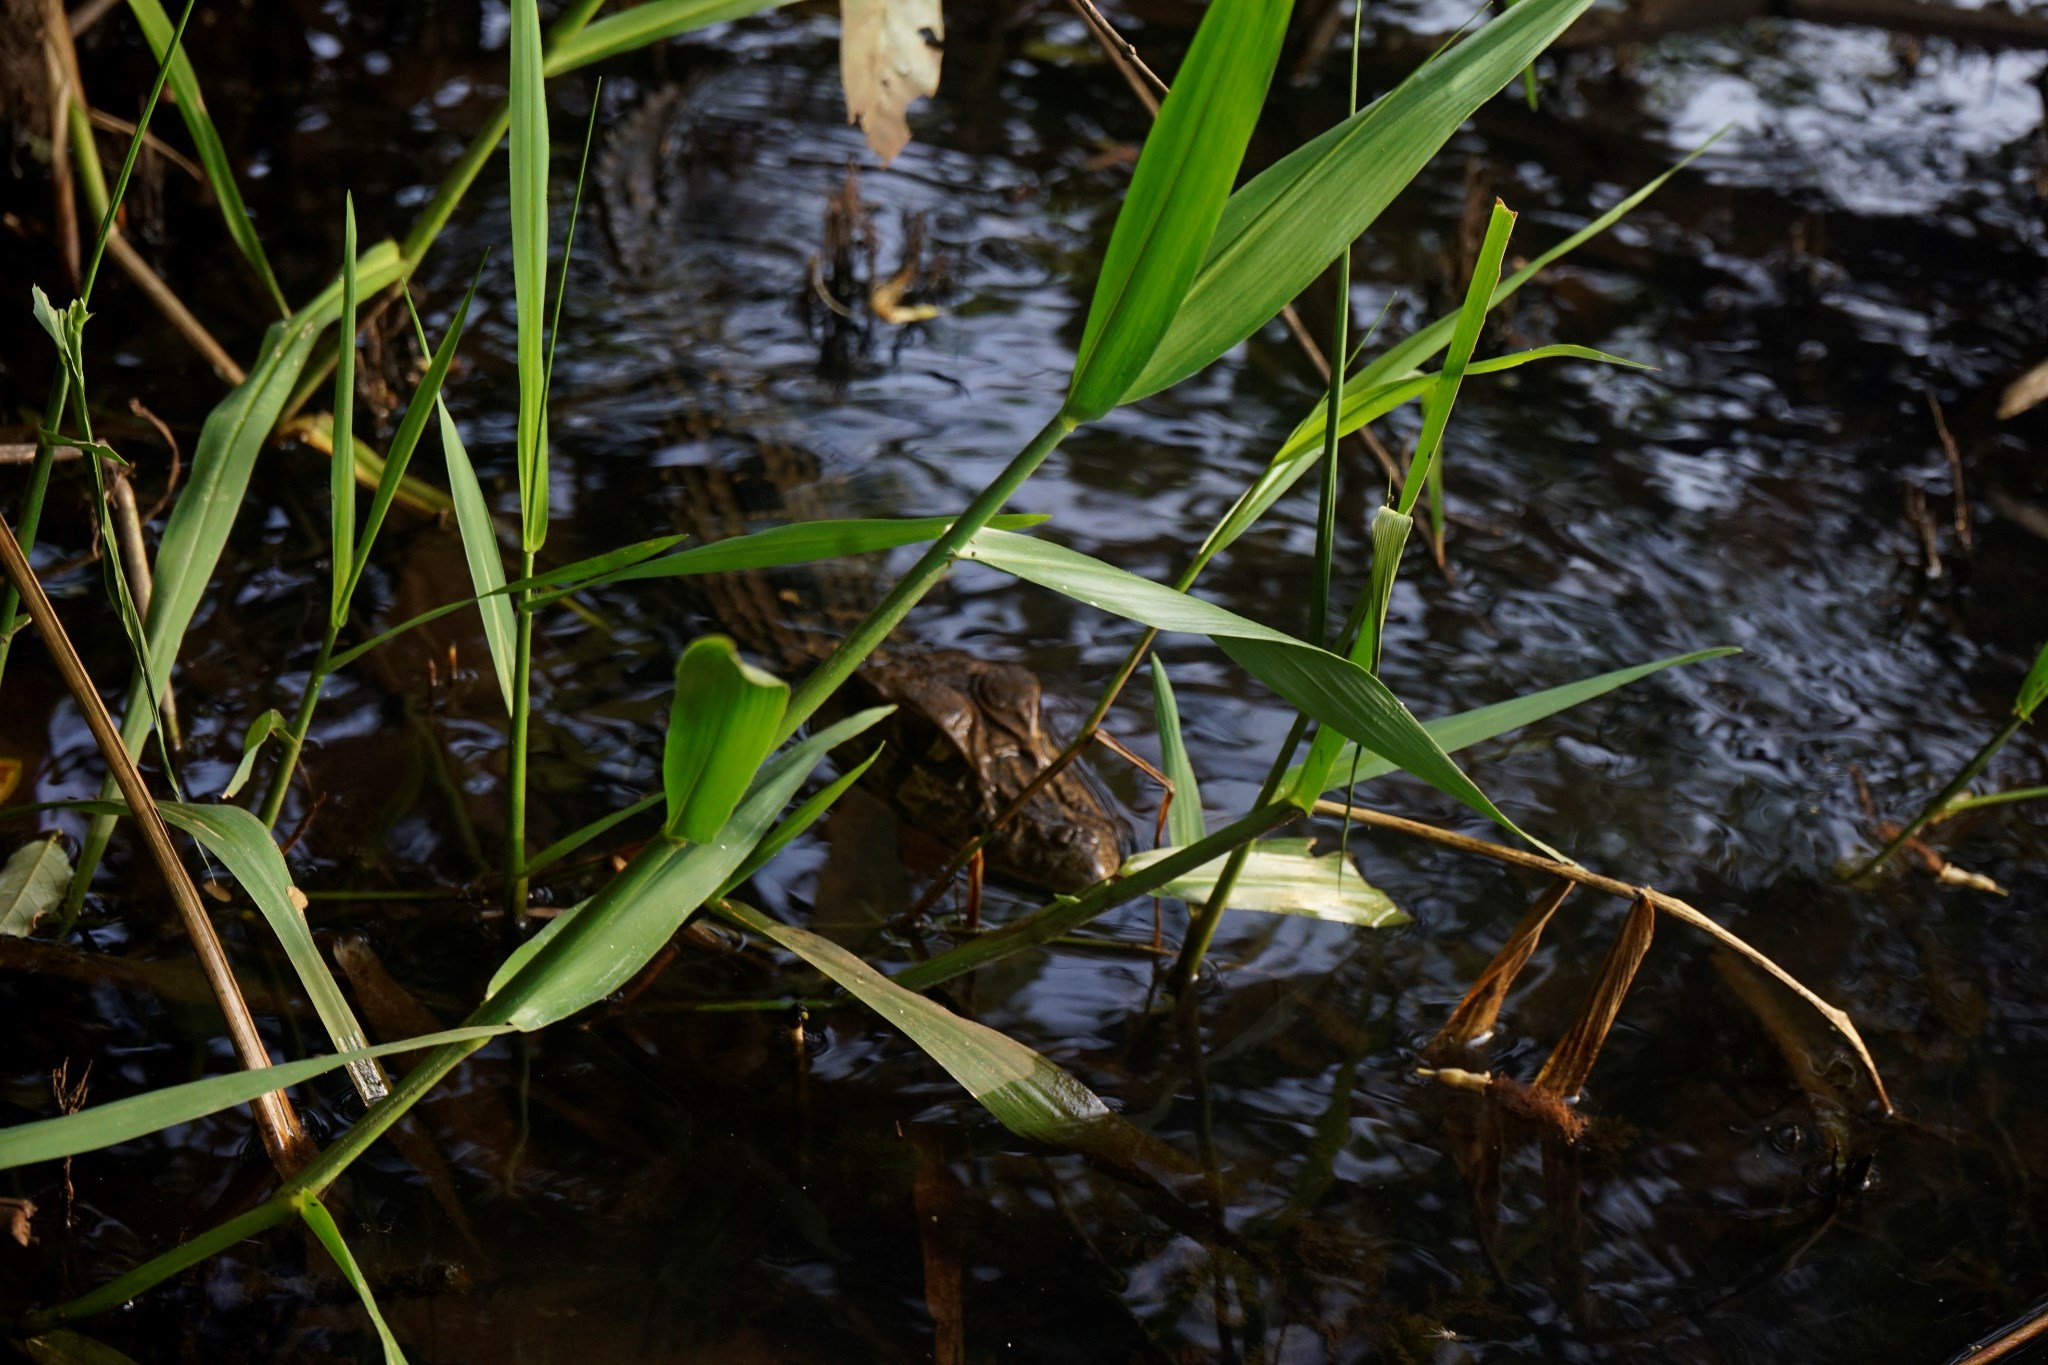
(283, 1137)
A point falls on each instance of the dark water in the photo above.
(1870, 234)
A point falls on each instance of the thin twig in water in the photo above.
(1954, 453)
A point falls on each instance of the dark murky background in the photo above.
(1869, 234)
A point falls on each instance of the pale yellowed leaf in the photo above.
(889, 54)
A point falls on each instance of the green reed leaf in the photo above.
(529, 157)
(1184, 823)
(721, 724)
(1436, 413)
(644, 25)
(1177, 194)
(585, 954)
(271, 722)
(124, 1120)
(213, 157)
(321, 1222)
(1285, 877)
(1333, 690)
(1467, 728)
(1028, 1094)
(2034, 689)
(341, 474)
(480, 549)
(1283, 228)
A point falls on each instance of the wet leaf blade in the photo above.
(1280, 231)
(32, 884)
(588, 953)
(1333, 690)
(1286, 877)
(480, 549)
(1177, 195)
(124, 1120)
(1486, 722)
(322, 1223)
(721, 724)
(1184, 822)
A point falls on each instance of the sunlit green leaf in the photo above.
(1177, 193)
(1471, 727)
(480, 549)
(529, 157)
(1184, 823)
(1286, 877)
(1436, 413)
(721, 724)
(2034, 688)
(639, 26)
(1335, 691)
(341, 435)
(584, 955)
(1284, 227)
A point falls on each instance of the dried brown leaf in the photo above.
(2025, 392)
(889, 54)
(1474, 1018)
(1564, 1075)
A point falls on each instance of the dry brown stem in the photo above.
(1670, 905)
(283, 1137)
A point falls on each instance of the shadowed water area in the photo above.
(660, 1181)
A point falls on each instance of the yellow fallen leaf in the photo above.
(2024, 392)
(889, 54)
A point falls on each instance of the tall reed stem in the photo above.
(911, 588)
(1955, 788)
(515, 754)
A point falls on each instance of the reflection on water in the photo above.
(699, 1187)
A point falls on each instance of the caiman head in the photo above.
(965, 741)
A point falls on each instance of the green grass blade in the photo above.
(213, 157)
(480, 548)
(260, 730)
(529, 157)
(1410, 352)
(341, 479)
(62, 1346)
(322, 1223)
(404, 442)
(779, 546)
(1302, 449)
(1467, 728)
(124, 1120)
(2034, 688)
(197, 530)
(32, 884)
(1027, 1094)
(643, 25)
(1184, 823)
(1436, 414)
(812, 809)
(1285, 877)
(244, 846)
(1333, 690)
(1283, 228)
(721, 724)
(584, 573)
(582, 956)
(1177, 194)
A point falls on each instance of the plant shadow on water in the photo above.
(656, 1180)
